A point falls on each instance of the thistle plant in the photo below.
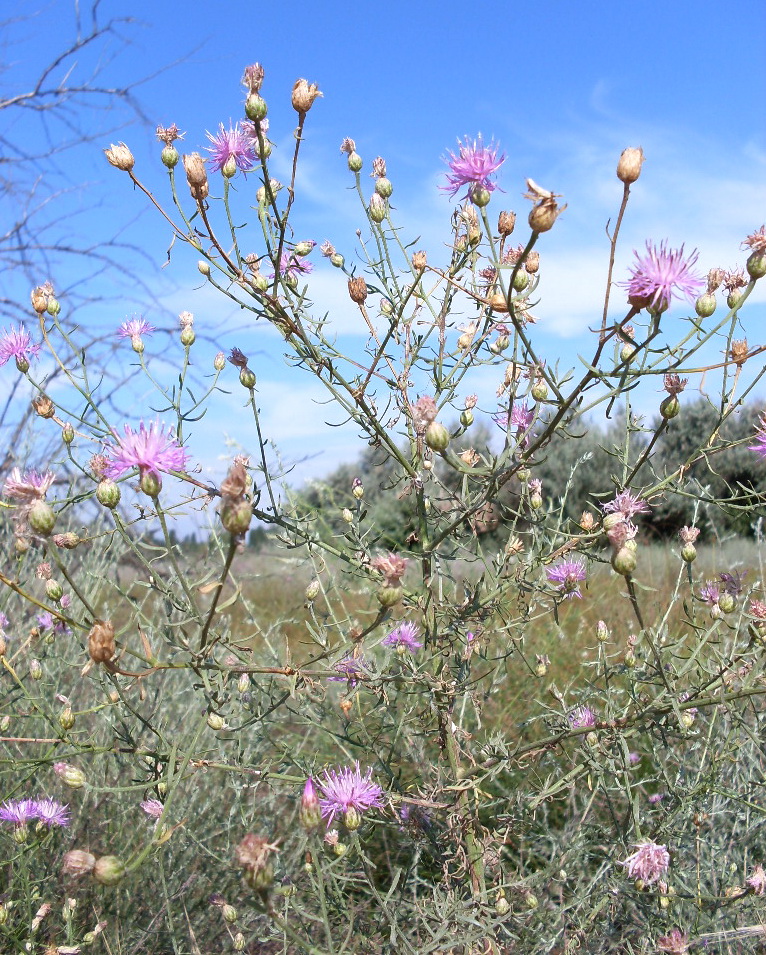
(411, 756)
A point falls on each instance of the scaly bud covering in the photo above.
(357, 289)
(196, 176)
(253, 854)
(120, 157)
(235, 510)
(109, 871)
(78, 862)
(310, 812)
(41, 518)
(70, 775)
(101, 646)
(629, 165)
(437, 436)
(303, 97)
(506, 223)
(544, 214)
(377, 207)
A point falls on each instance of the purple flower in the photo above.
(660, 275)
(675, 942)
(403, 636)
(3, 621)
(135, 328)
(50, 812)
(45, 620)
(649, 862)
(627, 504)
(152, 807)
(151, 451)
(346, 791)
(760, 439)
(18, 811)
(350, 667)
(17, 344)
(567, 575)
(474, 166)
(581, 717)
(757, 880)
(710, 593)
(290, 265)
(232, 143)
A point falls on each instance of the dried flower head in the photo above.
(674, 384)
(714, 279)
(196, 176)
(254, 855)
(689, 535)
(348, 146)
(649, 862)
(391, 566)
(506, 223)
(756, 240)
(739, 352)
(347, 789)
(675, 942)
(303, 96)
(101, 645)
(378, 168)
(120, 157)
(169, 134)
(661, 275)
(77, 862)
(473, 166)
(357, 289)
(252, 78)
(630, 163)
(734, 279)
(424, 411)
(757, 880)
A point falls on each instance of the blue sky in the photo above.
(563, 87)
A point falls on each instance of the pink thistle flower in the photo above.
(474, 166)
(710, 593)
(350, 669)
(152, 807)
(29, 488)
(18, 811)
(760, 439)
(290, 265)
(675, 942)
(581, 717)
(17, 344)
(567, 574)
(424, 411)
(756, 240)
(627, 504)
(151, 451)
(50, 812)
(135, 328)
(649, 862)
(347, 789)
(392, 566)
(660, 275)
(757, 881)
(232, 143)
(403, 636)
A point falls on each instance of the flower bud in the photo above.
(726, 603)
(337, 260)
(236, 515)
(536, 501)
(108, 493)
(688, 553)
(312, 591)
(203, 267)
(384, 187)
(41, 518)
(54, 590)
(466, 418)
(355, 161)
(532, 263)
(377, 208)
(347, 515)
(670, 407)
(734, 298)
(686, 720)
(389, 596)
(170, 156)
(419, 261)
(357, 489)
(756, 265)
(239, 942)
(352, 819)
(243, 683)
(43, 406)
(150, 483)
(70, 775)
(120, 157)
(247, 378)
(35, 670)
(705, 305)
(629, 165)
(436, 436)
(624, 561)
(602, 632)
(215, 721)
(540, 390)
(479, 196)
(303, 97)
(67, 433)
(255, 107)
(520, 280)
(109, 871)
(310, 813)
(66, 719)
(544, 214)
(219, 362)
(188, 337)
